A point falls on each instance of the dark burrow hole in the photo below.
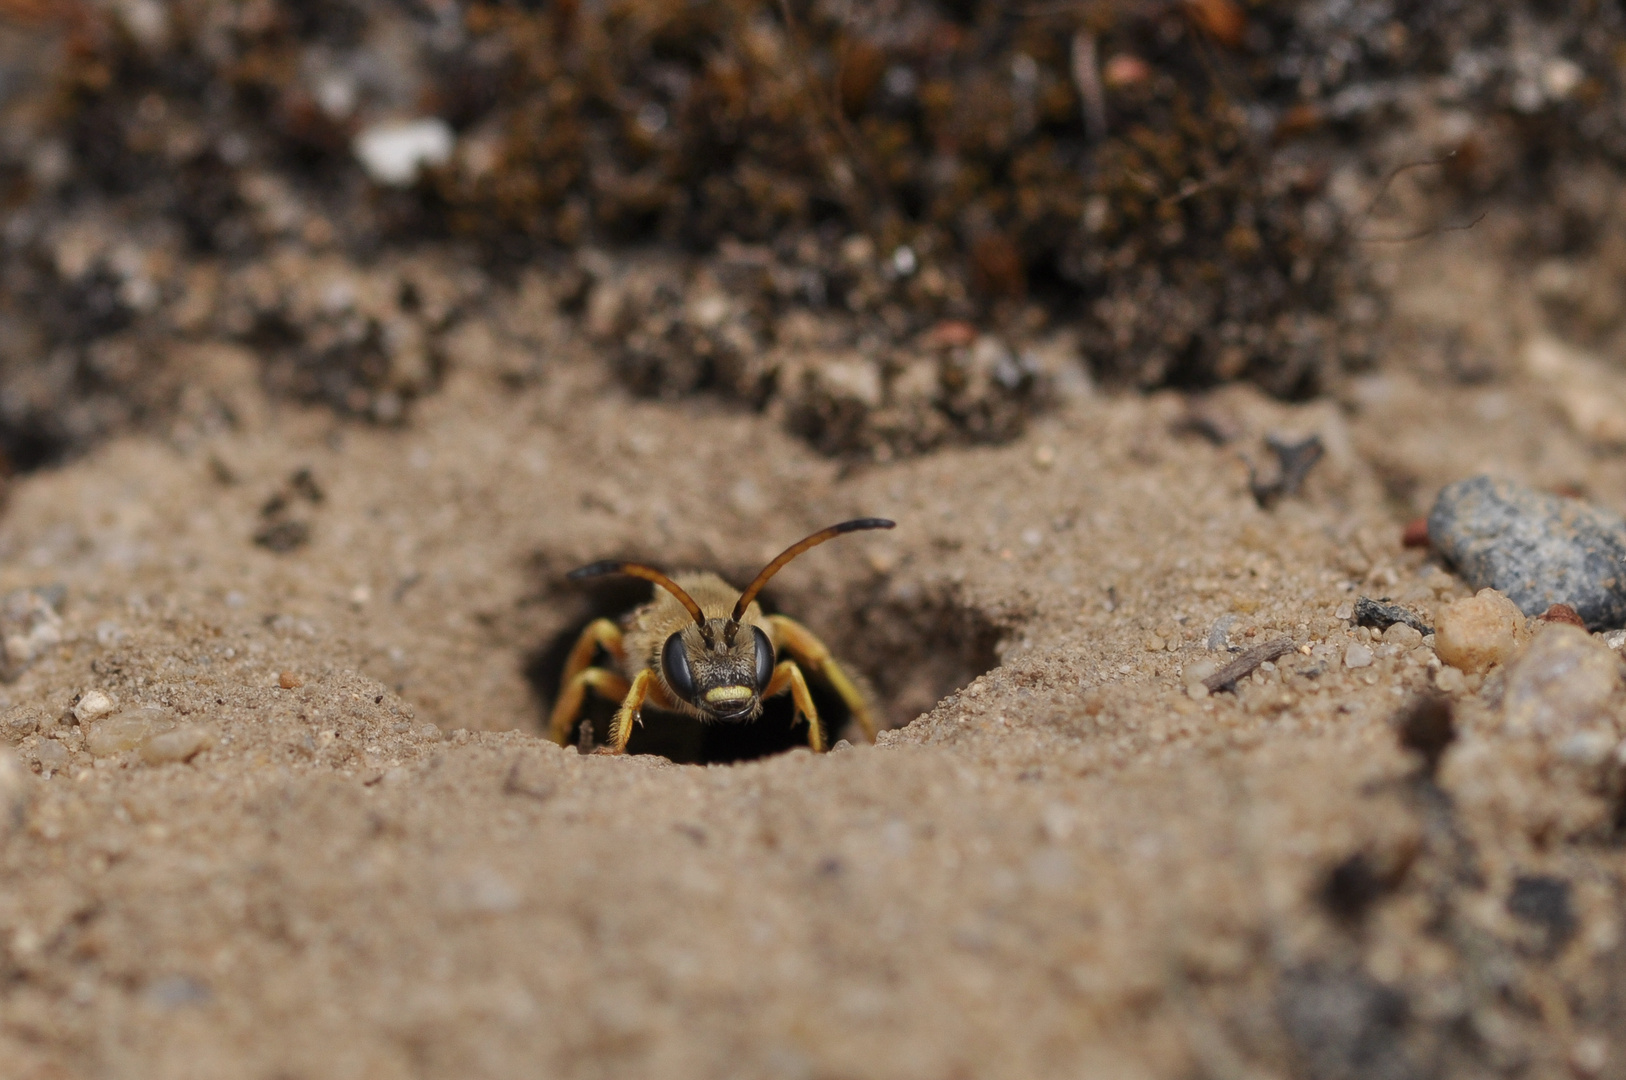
(907, 655)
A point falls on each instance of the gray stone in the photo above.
(1535, 548)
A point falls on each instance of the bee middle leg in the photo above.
(569, 706)
(787, 676)
(804, 646)
(600, 633)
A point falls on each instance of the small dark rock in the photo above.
(1351, 887)
(1294, 462)
(1381, 615)
(283, 536)
(1344, 1024)
(1427, 726)
(1544, 901)
(1537, 549)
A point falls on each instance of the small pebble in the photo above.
(1536, 548)
(1194, 673)
(1357, 656)
(288, 680)
(52, 755)
(14, 781)
(182, 744)
(93, 705)
(1450, 680)
(117, 734)
(392, 152)
(1588, 748)
(1477, 633)
(1561, 613)
(1407, 637)
(19, 721)
(1380, 616)
(1564, 682)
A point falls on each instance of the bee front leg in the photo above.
(800, 642)
(631, 706)
(787, 676)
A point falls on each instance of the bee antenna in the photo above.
(648, 573)
(790, 553)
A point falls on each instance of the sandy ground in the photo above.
(1061, 862)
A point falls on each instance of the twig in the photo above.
(1406, 238)
(1383, 189)
(1226, 677)
(1087, 77)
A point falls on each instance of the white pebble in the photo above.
(1357, 656)
(93, 705)
(52, 756)
(392, 152)
(1588, 747)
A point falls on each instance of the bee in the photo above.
(703, 650)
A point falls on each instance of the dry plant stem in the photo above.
(1226, 677)
(866, 188)
(1087, 77)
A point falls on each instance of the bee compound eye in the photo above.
(675, 666)
(764, 658)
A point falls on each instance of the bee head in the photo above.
(719, 668)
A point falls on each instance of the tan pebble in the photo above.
(1407, 637)
(1476, 634)
(93, 705)
(1450, 680)
(117, 734)
(289, 680)
(1564, 682)
(20, 721)
(1044, 456)
(14, 781)
(182, 744)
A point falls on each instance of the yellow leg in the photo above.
(569, 706)
(792, 637)
(599, 632)
(786, 675)
(631, 706)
